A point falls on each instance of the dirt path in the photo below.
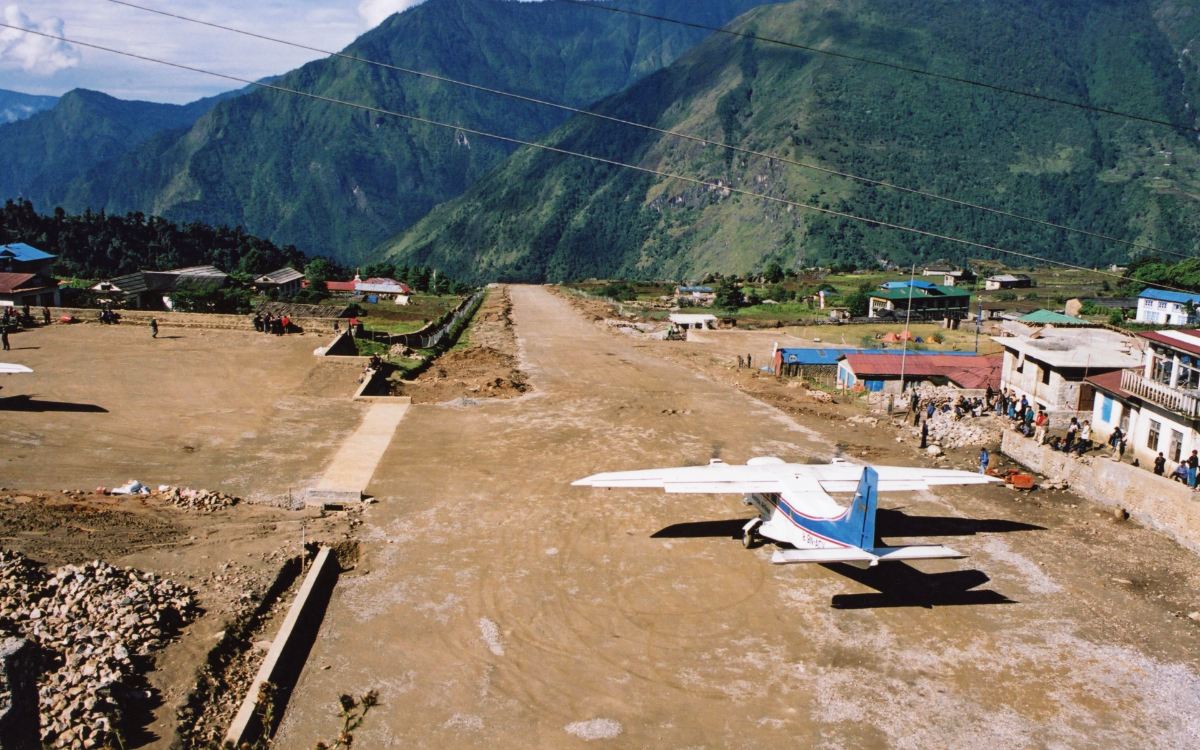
(497, 606)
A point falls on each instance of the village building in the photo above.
(1043, 317)
(154, 290)
(688, 321)
(815, 364)
(1161, 307)
(1007, 281)
(33, 289)
(18, 257)
(377, 288)
(284, 281)
(695, 296)
(1048, 367)
(925, 300)
(894, 373)
(1157, 404)
(950, 276)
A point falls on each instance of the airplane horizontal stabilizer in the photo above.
(854, 555)
(916, 552)
(823, 555)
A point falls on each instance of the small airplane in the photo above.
(7, 369)
(795, 506)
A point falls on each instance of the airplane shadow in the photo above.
(730, 528)
(28, 403)
(168, 337)
(897, 584)
(900, 585)
(898, 523)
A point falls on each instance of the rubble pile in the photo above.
(96, 625)
(948, 432)
(205, 501)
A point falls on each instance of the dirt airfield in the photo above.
(498, 606)
(495, 605)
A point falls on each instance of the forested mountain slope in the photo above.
(548, 216)
(336, 180)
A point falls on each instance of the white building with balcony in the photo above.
(1050, 365)
(1157, 404)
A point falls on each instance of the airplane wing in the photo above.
(7, 369)
(774, 476)
(716, 477)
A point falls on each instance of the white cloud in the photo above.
(374, 11)
(31, 53)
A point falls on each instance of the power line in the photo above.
(717, 185)
(664, 131)
(886, 64)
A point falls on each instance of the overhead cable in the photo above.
(885, 64)
(711, 184)
(664, 131)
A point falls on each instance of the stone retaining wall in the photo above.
(320, 326)
(1157, 502)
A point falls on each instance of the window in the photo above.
(1045, 376)
(1106, 410)
(1152, 437)
(1176, 448)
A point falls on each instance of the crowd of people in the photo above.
(267, 323)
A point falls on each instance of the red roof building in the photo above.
(33, 289)
(894, 372)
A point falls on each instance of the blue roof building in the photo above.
(1162, 307)
(21, 258)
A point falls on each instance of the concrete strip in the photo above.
(285, 658)
(354, 464)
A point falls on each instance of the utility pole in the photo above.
(978, 323)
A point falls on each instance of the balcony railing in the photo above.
(1181, 402)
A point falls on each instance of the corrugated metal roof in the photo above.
(972, 371)
(1166, 296)
(284, 275)
(22, 252)
(1049, 317)
(830, 356)
(23, 282)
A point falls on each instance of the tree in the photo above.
(774, 273)
(317, 272)
(729, 295)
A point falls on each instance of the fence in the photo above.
(434, 335)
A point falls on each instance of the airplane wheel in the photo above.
(749, 539)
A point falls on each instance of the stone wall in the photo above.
(20, 727)
(320, 326)
(1157, 502)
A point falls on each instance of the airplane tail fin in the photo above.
(861, 521)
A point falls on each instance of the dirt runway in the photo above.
(497, 606)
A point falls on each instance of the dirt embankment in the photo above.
(485, 366)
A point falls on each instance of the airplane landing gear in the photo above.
(750, 538)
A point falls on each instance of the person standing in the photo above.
(1193, 462)
(1072, 429)
(984, 459)
(1160, 464)
(925, 434)
(1039, 433)
(154, 328)
(1085, 437)
(45, 315)
(4, 336)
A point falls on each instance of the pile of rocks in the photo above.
(97, 625)
(205, 501)
(948, 432)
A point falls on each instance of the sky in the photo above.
(37, 65)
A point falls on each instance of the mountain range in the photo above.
(16, 106)
(334, 180)
(545, 216)
(361, 185)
